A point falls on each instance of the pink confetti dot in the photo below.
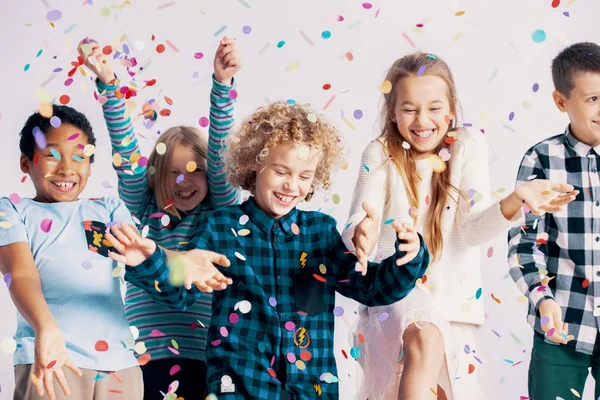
(234, 318)
(203, 122)
(290, 326)
(46, 225)
(68, 82)
(291, 358)
(550, 332)
(367, 6)
(174, 369)
(143, 161)
(233, 94)
(14, 198)
(198, 56)
(215, 343)
(224, 332)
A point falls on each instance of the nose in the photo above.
(66, 166)
(290, 184)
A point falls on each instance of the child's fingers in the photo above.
(227, 41)
(120, 246)
(406, 259)
(218, 259)
(71, 365)
(62, 381)
(37, 377)
(49, 384)
(129, 231)
(203, 287)
(117, 257)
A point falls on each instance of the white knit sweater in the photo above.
(453, 280)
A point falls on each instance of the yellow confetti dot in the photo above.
(522, 299)
(452, 134)
(459, 13)
(117, 272)
(117, 160)
(156, 286)
(161, 148)
(483, 116)
(6, 224)
(311, 117)
(244, 232)
(175, 344)
(322, 269)
(191, 166)
(301, 366)
(135, 157)
(45, 110)
(89, 150)
(576, 393)
(386, 87)
(140, 348)
(335, 198)
(8, 345)
(126, 141)
(34, 379)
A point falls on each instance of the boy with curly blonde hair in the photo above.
(271, 333)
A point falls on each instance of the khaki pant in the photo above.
(124, 384)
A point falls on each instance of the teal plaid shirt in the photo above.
(272, 330)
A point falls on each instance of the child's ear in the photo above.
(560, 100)
(25, 164)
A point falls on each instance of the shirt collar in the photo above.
(582, 149)
(266, 222)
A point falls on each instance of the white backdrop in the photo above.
(490, 49)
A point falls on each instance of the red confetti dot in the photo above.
(326, 86)
(490, 252)
(427, 200)
(169, 100)
(361, 337)
(101, 345)
(555, 3)
(272, 372)
(585, 283)
(107, 50)
(349, 56)
(144, 359)
(160, 48)
(319, 278)
(345, 354)
(449, 140)
(51, 364)
(471, 368)
(424, 279)
(165, 112)
(305, 355)
(64, 99)
(23, 179)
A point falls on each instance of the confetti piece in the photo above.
(386, 87)
(367, 6)
(101, 345)
(190, 166)
(478, 293)
(26, 68)
(160, 48)
(358, 114)
(366, 168)
(46, 225)
(421, 70)
(220, 30)
(459, 13)
(14, 198)
(538, 36)
(335, 198)
(246, 29)
(576, 393)
(295, 229)
(329, 102)
(511, 116)
(280, 44)
(272, 301)
(87, 265)
(7, 277)
(383, 316)
(555, 3)
(55, 122)
(490, 252)
(54, 15)
(535, 87)
(338, 311)
(243, 306)
(355, 352)
(156, 333)
(203, 121)
(326, 34)
(471, 368)
(163, 6)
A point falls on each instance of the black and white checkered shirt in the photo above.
(565, 245)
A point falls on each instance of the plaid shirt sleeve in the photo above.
(526, 250)
(385, 283)
(153, 275)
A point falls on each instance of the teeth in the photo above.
(284, 199)
(65, 185)
(424, 133)
(186, 194)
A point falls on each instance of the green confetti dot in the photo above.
(478, 197)
(335, 198)
(105, 11)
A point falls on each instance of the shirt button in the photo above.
(597, 203)
(597, 273)
(276, 240)
(597, 238)
(593, 169)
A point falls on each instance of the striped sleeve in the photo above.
(133, 182)
(221, 123)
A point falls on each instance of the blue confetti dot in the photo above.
(39, 53)
(538, 36)
(26, 67)
(77, 158)
(338, 311)
(536, 87)
(55, 153)
(355, 352)
(179, 178)
(478, 294)
(511, 116)
(246, 29)
(326, 34)
(358, 114)
(280, 44)
(291, 101)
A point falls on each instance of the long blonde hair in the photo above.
(159, 164)
(404, 160)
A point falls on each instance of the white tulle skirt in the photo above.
(378, 334)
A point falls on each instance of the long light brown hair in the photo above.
(159, 165)
(404, 160)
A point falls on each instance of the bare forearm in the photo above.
(26, 293)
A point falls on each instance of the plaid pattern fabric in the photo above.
(263, 339)
(566, 244)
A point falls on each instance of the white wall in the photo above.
(489, 48)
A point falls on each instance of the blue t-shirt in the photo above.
(66, 240)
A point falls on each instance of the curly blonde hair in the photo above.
(279, 123)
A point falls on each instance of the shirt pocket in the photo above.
(309, 293)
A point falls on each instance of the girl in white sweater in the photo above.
(426, 170)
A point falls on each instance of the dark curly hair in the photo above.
(67, 115)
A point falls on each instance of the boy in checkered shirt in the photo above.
(555, 258)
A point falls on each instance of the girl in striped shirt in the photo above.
(168, 192)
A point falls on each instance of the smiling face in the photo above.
(192, 189)
(284, 178)
(60, 171)
(422, 112)
(583, 107)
